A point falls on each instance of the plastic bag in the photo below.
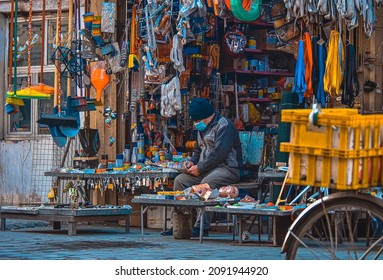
(229, 192)
(201, 189)
(114, 60)
(235, 41)
(108, 17)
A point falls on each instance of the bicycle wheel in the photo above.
(338, 226)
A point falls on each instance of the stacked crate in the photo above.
(342, 150)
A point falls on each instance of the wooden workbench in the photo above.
(71, 216)
(145, 203)
(280, 221)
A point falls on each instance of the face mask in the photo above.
(201, 126)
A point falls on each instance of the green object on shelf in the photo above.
(245, 15)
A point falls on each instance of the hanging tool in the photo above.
(134, 60)
(58, 118)
(320, 93)
(71, 131)
(150, 30)
(99, 79)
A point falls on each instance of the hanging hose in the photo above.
(240, 13)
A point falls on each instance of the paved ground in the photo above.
(38, 241)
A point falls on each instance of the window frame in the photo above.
(22, 71)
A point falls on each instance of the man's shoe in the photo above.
(168, 232)
(196, 230)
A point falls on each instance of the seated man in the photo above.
(217, 156)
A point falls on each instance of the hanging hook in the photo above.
(301, 29)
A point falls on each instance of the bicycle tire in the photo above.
(323, 230)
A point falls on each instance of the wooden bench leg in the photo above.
(2, 224)
(57, 225)
(280, 228)
(127, 225)
(240, 229)
(72, 228)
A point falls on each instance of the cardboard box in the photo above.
(239, 63)
(155, 217)
(244, 112)
(135, 217)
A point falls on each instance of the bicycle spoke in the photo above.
(372, 247)
(329, 229)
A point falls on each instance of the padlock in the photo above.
(138, 181)
(110, 185)
(150, 184)
(128, 184)
(157, 182)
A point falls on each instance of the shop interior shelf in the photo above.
(263, 51)
(264, 73)
(256, 99)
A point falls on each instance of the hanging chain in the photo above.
(29, 43)
(58, 50)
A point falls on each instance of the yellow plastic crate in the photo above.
(343, 152)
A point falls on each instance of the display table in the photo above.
(131, 175)
(280, 221)
(71, 216)
(145, 203)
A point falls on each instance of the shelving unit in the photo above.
(255, 99)
(259, 67)
(262, 73)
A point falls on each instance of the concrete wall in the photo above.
(15, 172)
(3, 78)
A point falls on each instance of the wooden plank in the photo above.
(97, 120)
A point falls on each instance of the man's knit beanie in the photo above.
(200, 109)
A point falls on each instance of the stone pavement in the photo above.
(38, 241)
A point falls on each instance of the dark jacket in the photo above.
(218, 145)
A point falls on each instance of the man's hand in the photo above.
(187, 164)
(193, 170)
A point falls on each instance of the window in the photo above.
(23, 123)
